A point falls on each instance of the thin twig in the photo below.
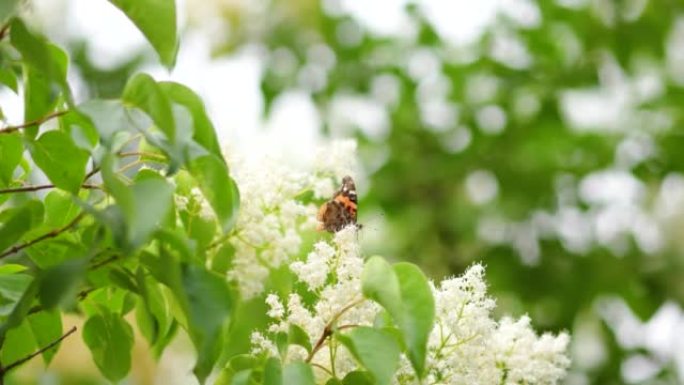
(221, 240)
(92, 172)
(43, 237)
(350, 326)
(41, 120)
(83, 294)
(142, 154)
(323, 368)
(87, 186)
(21, 361)
(328, 329)
(103, 262)
(4, 30)
(129, 166)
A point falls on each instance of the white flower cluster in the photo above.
(195, 203)
(272, 216)
(333, 273)
(466, 345)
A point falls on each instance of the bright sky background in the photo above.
(230, 86)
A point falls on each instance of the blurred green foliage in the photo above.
(482, 158)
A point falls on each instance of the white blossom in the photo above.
(262, 345)
(466, 345)
(277, 310)
(337, 159)
(272, 216)
(314, 271)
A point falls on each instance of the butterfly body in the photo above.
(341, 210)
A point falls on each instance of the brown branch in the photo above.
(328, 329)
(103, 262)
(21, 361)
(142, 154)
(43, 237)
(92, 172)
(3, 31)
(87, 186)
(83, 294)
(10, 129)
(350, 326)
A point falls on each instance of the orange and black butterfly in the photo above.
(339, 211)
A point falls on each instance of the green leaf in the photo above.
(406, 295)
(380, 283)
(56, 251)
(143, 205)
(12, 288)
(110, 340)
(418, 312)
(358, 377)
(8, 78)
(18, 343)
(156, 306)
(143, 92)
(281, 343)
(203, 129)
(60, 159)
(176, 241)
(40, 98)
(237, 371)
(210, 303)
(165, 268)
(223, 259)
(108, 117)
(146, 322)
(156, 19)
(200, 229)
(298, 373)
(218, 188)
(152, 200)
(81, 129)
(46, 66)
(38, 53)
(273, 372)
(20, 309)
(60, 283)
(242, 377)
(11, 268)
(120, 278)
(18, 221)
(60, 209)
(109, 298)
(11, 150)
(298, 336)
(46, 327)
(375, 349)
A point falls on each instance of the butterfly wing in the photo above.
(340, 211)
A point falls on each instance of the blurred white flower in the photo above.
(337, 160)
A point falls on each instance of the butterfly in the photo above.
(339, 211)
